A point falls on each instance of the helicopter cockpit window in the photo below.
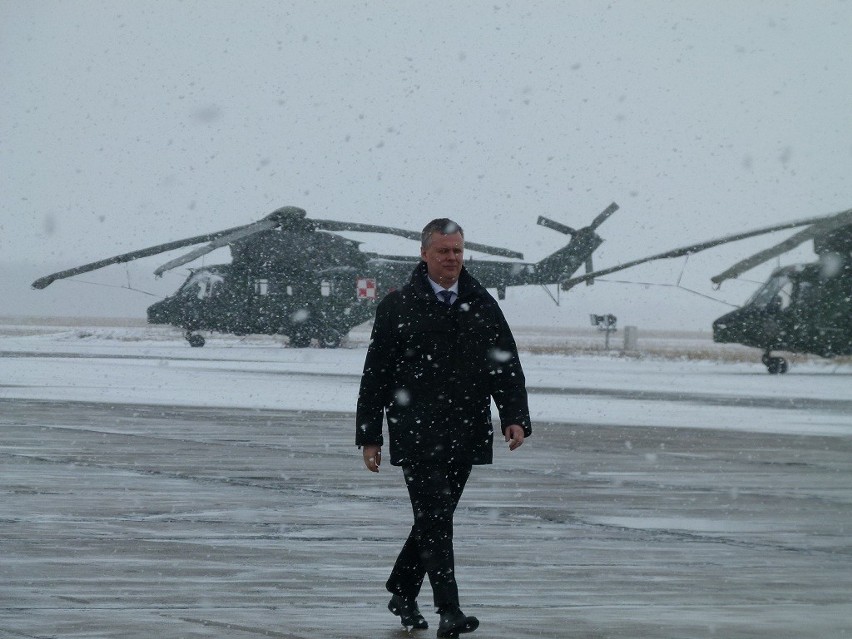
(261, 287)
(202, 284)
(776, 293)
(785, 295)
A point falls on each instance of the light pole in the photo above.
(604, 323)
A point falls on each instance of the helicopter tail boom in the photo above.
(567, 260)
(578, 252)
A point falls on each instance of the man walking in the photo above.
(440, 350)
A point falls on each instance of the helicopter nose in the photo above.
(724, 328)
(158, 313)
(738, 327)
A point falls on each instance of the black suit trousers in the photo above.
(434, 490)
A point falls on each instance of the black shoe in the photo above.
(407, 611)
(454, 622)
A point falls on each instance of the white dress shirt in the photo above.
(454, 289)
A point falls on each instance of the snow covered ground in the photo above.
(154, 365)
(148, 489)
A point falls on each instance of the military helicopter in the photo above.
(296, 276)
(802, 308)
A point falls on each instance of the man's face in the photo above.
(444, 257)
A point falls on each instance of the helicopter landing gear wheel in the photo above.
(775, 365)
(195, 340)
(330, 339)
(300, 339)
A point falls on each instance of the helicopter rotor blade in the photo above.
(493, 250)
(567, 230)
(603, 215)
(553, 225)
(701, 246)
(333, 225)
(284, 216)
(47, 280)
(224, 240)
(815, 230)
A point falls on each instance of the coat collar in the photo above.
(468, 285)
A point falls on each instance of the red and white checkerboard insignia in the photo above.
(366, 288)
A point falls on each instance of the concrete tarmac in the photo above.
(122, 521)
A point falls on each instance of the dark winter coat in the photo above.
(433, 369)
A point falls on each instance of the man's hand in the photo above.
(373, 456)
(514, 435)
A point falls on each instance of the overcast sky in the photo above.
(128, 123)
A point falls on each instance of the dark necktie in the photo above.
(447, 295)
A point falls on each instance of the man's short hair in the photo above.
(442, 225)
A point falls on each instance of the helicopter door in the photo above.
(259, 310)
